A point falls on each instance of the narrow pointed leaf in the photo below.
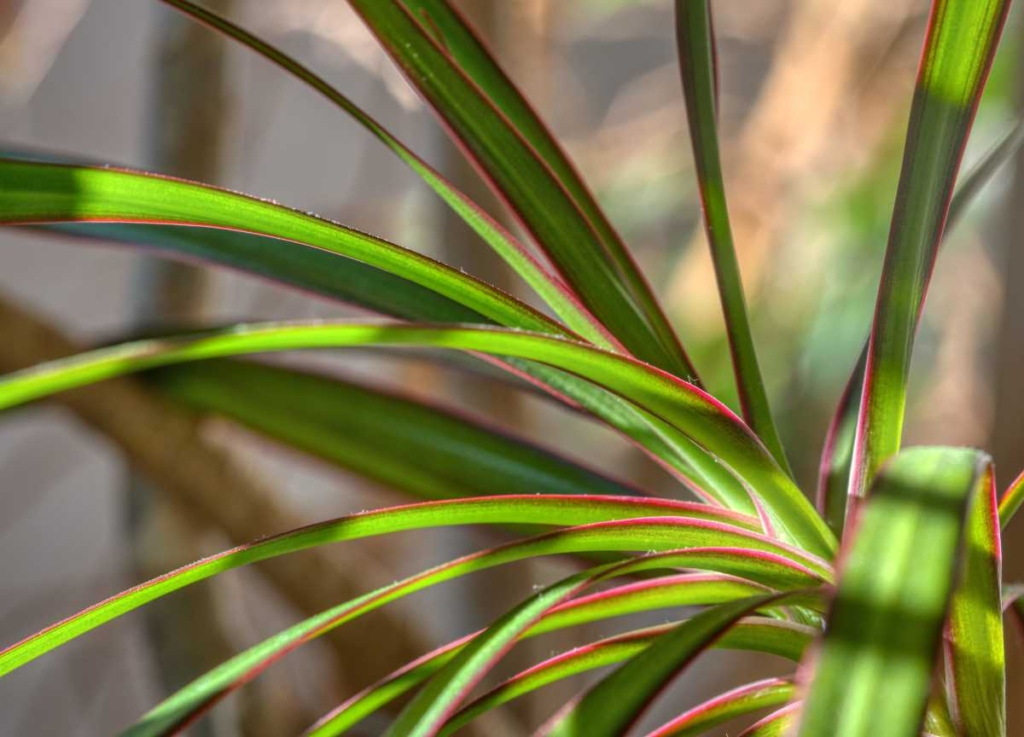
(620, 699)
(604, 283)
(521, 509)
(754, 634)
(460, 42)
(960, 45)
(975, 655)
(695, 413)
(33, 192)
(426, 714)
(550, 289)
(697, 66)
(735, 703)
(680, 590)
(347, 280)
(873, 674)
(656, 534)
(837, 456)
(319, 272)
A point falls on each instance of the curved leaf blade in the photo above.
(319, 272)
(549, 288)
(460, 42)
(735, 703)
(695, 413)
(667, 533)
(754, 634)
(520, 509)
(618, 700)
(35, 192)
(680, 590)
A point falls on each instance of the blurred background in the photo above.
(814, 102)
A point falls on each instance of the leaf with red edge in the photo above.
(621, 698)
(837, 455)
(873, 673)
(550, 288)
(522, 509)
(667, 533)
(695, 39)
(606, 282)
(776, 724)
(693, 412)
(735, 703)
(959, 48)
(753, 634)
(687, 589)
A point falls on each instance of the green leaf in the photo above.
(735, 703)
(459, 41)
(697, 66)
(1011, 501)
(975, 655)
(698, 415)
(876, 662)
(754, 634)
(606, 280)
(837, 456)
(312, 270)
(668, 533)
(663, 592)
(426, 714)
(524, 509)
(33, 192)
(404, 443)
(618, 700)
(961, 42)
(550, 288)
(345, 279)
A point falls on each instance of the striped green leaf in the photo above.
(693, 412)
(837, 455)
(1011, 501)
(663, 592)
(735, 703)
(550, 288)
(620, 699)
(873, 673)
(34, 192)
(754, 634)
(660, 534)
(961, 43)
(523, 509)
(606, 281)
